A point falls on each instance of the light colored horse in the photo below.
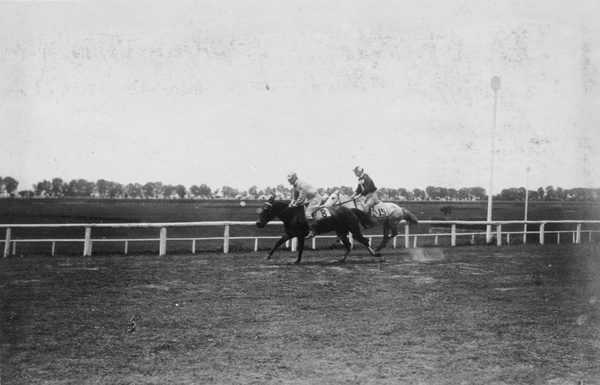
(383, 213)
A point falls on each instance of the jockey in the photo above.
(304, 192)
(366, 188)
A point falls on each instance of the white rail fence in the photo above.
(10, 243)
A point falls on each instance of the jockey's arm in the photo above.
(294, 199)
(301, 198)
(356, 192)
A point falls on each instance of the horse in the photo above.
(383, 213)
(339, 219)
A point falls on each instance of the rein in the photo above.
(341, 203)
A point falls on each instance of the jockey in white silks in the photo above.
(366, 188)
(304, 192)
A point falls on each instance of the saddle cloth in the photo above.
(321, 213)
(380, 210)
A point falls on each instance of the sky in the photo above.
(230, 93)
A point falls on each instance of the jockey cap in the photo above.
(358, 169)
(291, 175)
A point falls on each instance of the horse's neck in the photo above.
(283, 213)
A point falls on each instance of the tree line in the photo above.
(108, 189)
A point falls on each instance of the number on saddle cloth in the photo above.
(380, 210)
(321, 213)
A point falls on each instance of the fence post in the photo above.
(453, 237)
(255, 244)
(294, 244)
(406, 236)
(7, 243)
(163, 242)
(126, 247)
(542, 225)
(578, 238)
(226, 240)
(53, 248)
(499, 235)
(87, 243)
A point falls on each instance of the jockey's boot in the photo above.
(311, 226)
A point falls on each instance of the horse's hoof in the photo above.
(296, 262)
(267, 257)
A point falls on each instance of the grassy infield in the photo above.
(476, 315)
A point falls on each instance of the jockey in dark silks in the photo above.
(366, 188)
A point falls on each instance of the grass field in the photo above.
(476, 315)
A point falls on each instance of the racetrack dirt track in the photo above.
(465, 315)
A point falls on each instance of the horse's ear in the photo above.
(272, 199)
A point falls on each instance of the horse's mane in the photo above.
(280, 203)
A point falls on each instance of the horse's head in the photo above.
(332, 199)
(267, 213)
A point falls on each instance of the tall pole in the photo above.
(495, 87)
(526, 204)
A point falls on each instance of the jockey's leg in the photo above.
(311, 226)
(369, 203)
(309, 214)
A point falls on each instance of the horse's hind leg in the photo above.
(347, 246)
(365, 242)
(386, 235)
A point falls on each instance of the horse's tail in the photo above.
(410, 217)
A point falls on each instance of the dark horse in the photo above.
(339, 219)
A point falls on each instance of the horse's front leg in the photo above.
(280, 242)
(300, 250)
